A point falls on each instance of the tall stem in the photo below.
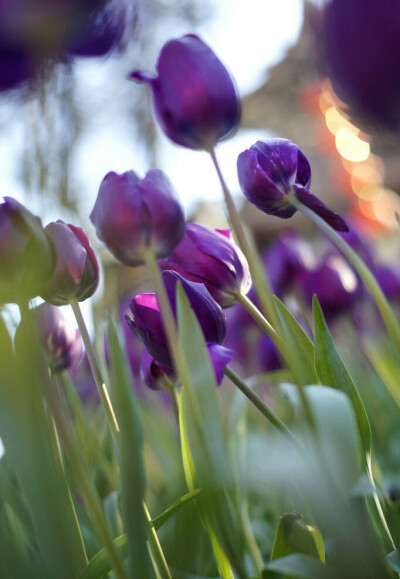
(361, 268)
(256, 268)
(260, 405)
(82, 475)
(95, 367)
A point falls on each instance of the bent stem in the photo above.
(256, 268)
(260, 405)
(361, 268)
(95, 367)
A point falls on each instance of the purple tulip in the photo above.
(62, 344)
(211, 257)
(272, 171)
(26, 254)
(133, 216)
(76, 273)
(155, 375)
(334, 283)
(194, 97)
(362, 47)
(389, 281)
(147, 321)
(220, 358)
(285, 260)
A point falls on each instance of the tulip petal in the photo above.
(309, 200)
(278, 159)
(220, 358)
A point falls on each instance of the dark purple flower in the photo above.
(194, 97)
(62, 343)
(148, 325)
(362, 47)
(155, 375)
(211, 257)
(76, 273)
(389, 281)
(26, 254)
(285, 260)
(220, 358)
(133, 216)
(268, 355)
(334, 283)
(272, 171)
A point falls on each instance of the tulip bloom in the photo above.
(272, 171)
(361, 43)
(62, 344)
(133, 216)
(76, 273)
(147, 321)
(211, 257)
(195, 100)
(26, 254)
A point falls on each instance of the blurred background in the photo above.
(69, 115)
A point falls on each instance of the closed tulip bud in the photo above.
(195, 100)
(134, 216)
(211, 257)
(147, 321)
(76, 273)
(61, 342)
(26, 254)
(155, 375)
(272, 171)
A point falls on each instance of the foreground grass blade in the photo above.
(294, 535)
(130, 460)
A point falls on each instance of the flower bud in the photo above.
(147, 321)
(76, 273)
(211, 257)
(62, 344)
(272, 171)
(155, 375)
(133, 216)
(194, 97)
(26, 254)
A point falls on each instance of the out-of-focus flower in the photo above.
(61, 342)
(389, 280)
(76, 272)
(26, 254)
(211, 257)
(148, 325)
(268, 355)
(133, 216)
(334, 283)
(194, 97)
(285, 260)
(273, 171)
(155, 375)
(33, 31)
(362, 48)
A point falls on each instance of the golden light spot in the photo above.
(350, 146)
(336, 121)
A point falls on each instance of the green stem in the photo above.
(82, 476)
(361, 268)
(260, 405)
(95, 367)
(256, 268)
(155, 547)
(252, 546)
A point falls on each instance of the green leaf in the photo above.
(300, 346)
(301, 566)
(332, 372)
(393, 560)
(130, 458)
(159, 521)
(294, 535)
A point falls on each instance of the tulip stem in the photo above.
(95, 367)
(361, 268)
(80, 472)
(260, 405)
(256, 268)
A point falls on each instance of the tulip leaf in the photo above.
(130, 458)
(159, 521)
(300, 566)
(300, 346)
(204, 447)
(393, 560)
(332, 372)
(294, 535)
